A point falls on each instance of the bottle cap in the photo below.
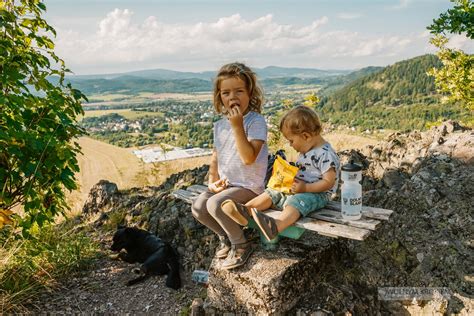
(351, 167)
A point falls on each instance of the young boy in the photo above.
(316, 179)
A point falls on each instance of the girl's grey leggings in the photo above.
(207, 210)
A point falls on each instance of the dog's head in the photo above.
(122, 238)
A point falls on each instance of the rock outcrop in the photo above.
(426, 178)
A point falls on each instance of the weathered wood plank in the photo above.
(336, 217)
(324, 228)
(197, 188)
(327, 221)
(327, 228)
(367, 211)
(185, 195)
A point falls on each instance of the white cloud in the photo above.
(349, 15)
(120, 43)
(461, 42)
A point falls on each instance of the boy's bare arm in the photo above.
(323, 185)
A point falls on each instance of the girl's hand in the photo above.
(298, 186)
(218, 186)
(236, 118)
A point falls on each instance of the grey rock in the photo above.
(99, 196)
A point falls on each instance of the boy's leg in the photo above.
(240, 213)
(270, 226)
(287, 217)
(261, 202)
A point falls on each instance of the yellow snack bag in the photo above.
(282, 175)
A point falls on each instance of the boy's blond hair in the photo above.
(239, 70)
(301, 119)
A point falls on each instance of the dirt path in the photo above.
(103, 290)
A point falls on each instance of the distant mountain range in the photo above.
(404, 82)
(162, 80)
(263, 73)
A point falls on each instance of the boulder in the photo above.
(99, 196)
(271, 282)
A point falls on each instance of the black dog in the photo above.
(158, 257)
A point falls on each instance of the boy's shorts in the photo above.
(305, 203)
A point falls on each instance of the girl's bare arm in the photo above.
(213, 174)
(248, 150)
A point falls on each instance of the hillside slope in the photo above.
(405, 82)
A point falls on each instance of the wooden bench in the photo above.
(327, 221)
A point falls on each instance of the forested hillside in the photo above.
(399, 97)
(405, 82)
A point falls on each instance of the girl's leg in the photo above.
(200, 212)
(231, 228)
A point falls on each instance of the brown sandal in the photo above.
(238, 256)
(223, 249)
(266, 223)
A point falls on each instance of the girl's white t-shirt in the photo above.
(230, 165)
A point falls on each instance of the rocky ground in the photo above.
(426, 178)
(103, 290)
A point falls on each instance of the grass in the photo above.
(109, 99)
(29, 266)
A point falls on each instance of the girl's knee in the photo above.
(198, 208)
(213, 206)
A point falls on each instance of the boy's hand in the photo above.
(235, 117)
(298, 186)
(218, 185)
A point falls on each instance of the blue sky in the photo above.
(107, 36)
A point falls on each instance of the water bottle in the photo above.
(351, 191)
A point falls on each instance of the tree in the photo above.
(456, 77)
(311, 100)
(37, 118)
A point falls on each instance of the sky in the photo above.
(114, 36)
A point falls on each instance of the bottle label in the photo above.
(352, 176)
(355, 201)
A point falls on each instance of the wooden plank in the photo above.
(327, 228)
(367, 211)
(327, 222)
(336, 217)
(184, 195)
(197, 188)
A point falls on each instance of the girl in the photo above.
(316, 179)
(239, 160)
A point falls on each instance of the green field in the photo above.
(127, 113)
